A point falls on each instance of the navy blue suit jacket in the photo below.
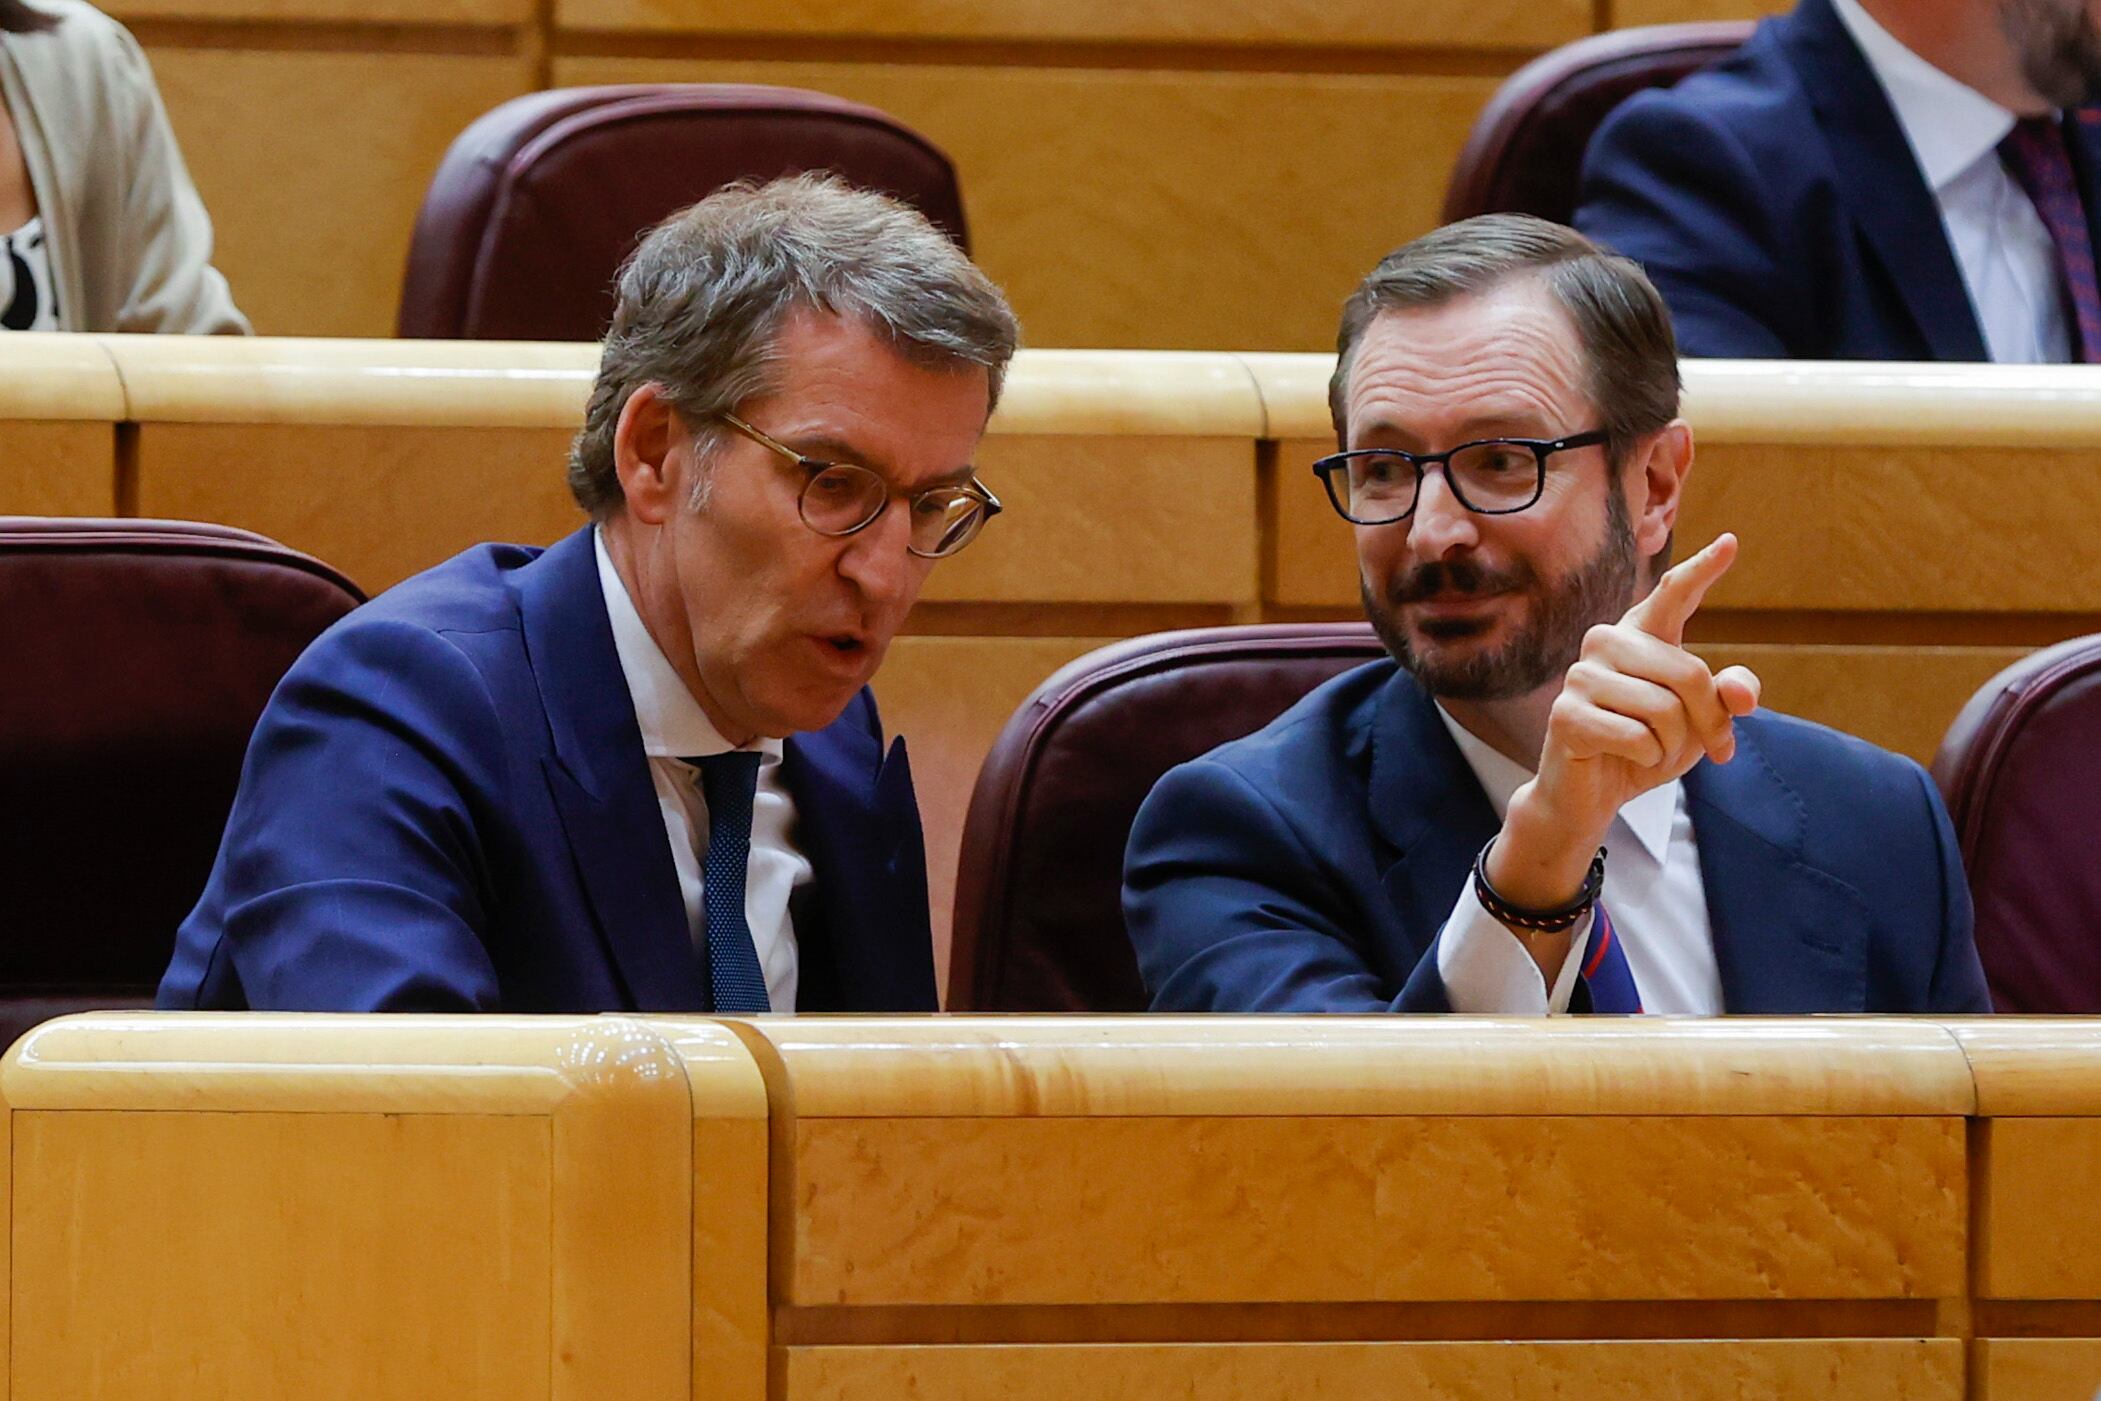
(446, 807)
(1310, 866)
(1776, 204)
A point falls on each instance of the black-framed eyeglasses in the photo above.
(842, 497)
(1491, 477)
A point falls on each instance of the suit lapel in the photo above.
(868, 947)
(1426, 806)
(1880, 182)
(1788, 937)
(599, 780)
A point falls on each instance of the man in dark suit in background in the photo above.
(1430, 833)
(641, 769)
(1871, 180)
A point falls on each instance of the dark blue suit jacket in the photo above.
(1776, 204)
(446, 807)
(1310, 866)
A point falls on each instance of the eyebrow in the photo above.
(828, 449)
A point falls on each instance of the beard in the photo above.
(2057, 47)
(1544, 645)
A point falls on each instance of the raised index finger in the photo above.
(1677, 595)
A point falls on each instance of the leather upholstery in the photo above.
(2021, 770)
(138, 655)
(1039, 915)
(1525, 152)
(538, 202)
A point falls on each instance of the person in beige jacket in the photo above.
(100, 227)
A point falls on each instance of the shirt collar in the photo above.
(671, 721)
(1647, 817)
(1950, 125)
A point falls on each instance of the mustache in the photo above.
(1460, 577)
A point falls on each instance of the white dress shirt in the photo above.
(2001, 246)
(1652, 888)
(674, 726)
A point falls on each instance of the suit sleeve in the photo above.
(1675, 190)
(1232, 908)
(351, 874)
(1958, 983)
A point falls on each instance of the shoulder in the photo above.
(85, 48)
(1815, 756)
(1858, 803)
(1753, 102)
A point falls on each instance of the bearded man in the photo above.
(1543, 802)
(1871, 180)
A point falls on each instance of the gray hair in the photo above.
(702, 300)
(1630, 353)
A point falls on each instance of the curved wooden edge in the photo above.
(385, 383)
(59, 377)
(856, 1067)
(469, 1064)
(2033, 1067)
(1127, 393)
(1801, 402)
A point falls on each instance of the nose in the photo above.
(875, 559)
(1440, 525)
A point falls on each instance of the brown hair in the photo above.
(703, 298)
(1629, 351)
(17, 18)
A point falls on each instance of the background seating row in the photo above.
(1908, 531)
(1136, 176)
(1041, 1208)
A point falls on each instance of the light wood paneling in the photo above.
(61, 377)
(378, 503)
(949, 698)
(58, 469)
(1507, 24)
(1628, 13)
(1891, 1369)
(2032, 1066)
(419, 12)
(1159, 209)
(152, 1247)
(1286, 1210)
(2038, 1369)
(2039, 1236)
(313, 165)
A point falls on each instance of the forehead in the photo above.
(1508, 355)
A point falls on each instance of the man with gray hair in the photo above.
(641, 769)
(1430, 833)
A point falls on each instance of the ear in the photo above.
(1656, 485)
(645, 442)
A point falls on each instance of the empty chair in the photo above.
(1525, 152)
(537, 203)
(2021, 770)
(1039, 916)
(138, 655)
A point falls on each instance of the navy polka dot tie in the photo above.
(729, 782)
(2036, 154)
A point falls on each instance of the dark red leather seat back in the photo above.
(137, 656)
(2021, 770)
(537, 203)
(1039, 913)
(1525, 152)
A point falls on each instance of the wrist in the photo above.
(1540, 860)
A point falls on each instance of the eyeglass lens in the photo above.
(843, 498)
(1486, 477)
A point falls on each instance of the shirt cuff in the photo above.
(1486, 970)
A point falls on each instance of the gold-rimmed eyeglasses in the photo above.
(840, 498)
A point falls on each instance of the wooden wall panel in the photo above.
(949, 697)
(2038, 1369)
(2039, 1236)
(390, 1293)
(1764, 1370)
(1158, 209)
(1625, 14)
(1334, 1209)
(416, 12)
(380, 504)
(313, 165)
(1285, 24)
(58, 469)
